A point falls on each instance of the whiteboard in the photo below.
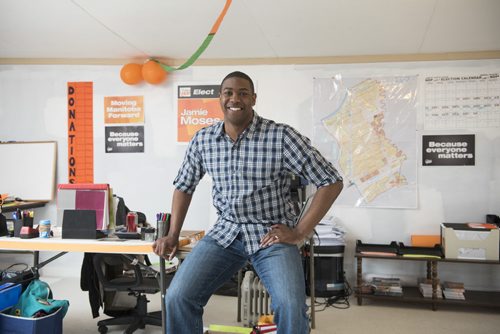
(28, 169)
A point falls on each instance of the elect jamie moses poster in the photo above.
(197, 107)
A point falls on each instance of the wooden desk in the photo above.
(85, 245)
(77, 245)
(131, 246)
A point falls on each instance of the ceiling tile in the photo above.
(175, 29)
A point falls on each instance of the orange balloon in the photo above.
(131, 73)
(153, 73)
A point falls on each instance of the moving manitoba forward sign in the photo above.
(448, 150)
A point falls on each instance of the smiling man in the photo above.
(249, 159)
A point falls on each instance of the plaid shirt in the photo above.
(251, 184)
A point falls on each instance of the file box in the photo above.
(460, 241)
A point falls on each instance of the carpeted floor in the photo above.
(371, 317)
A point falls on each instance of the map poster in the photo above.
(197, 106)
(124, 139)
(367, 128)
(448, 150)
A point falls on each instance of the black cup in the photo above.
(18, 223)
(28, 221)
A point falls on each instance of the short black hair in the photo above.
(238, 74)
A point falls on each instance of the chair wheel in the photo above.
(103, 329)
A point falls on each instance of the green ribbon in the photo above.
(203, 45)
(191, 59)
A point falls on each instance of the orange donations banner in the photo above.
(123, 109)
(80, 132)
(197, 107)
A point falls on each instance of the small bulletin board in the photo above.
(28, 170)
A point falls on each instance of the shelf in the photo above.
(479, 298)
(402, 258)
(412, 294)
(472, 298)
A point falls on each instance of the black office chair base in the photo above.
(139, 318)
(133, 322)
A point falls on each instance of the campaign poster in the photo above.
(448, 150)
(124, 139)
(197, 107)
(80, 132)
(123, 109)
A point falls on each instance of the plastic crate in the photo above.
(51, 323)
(9, 295)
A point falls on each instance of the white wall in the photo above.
(33, 107)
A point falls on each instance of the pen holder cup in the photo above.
(28, 221)
(18, 223)
(162, 228)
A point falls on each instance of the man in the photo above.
(249, 159)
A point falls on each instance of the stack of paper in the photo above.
(426, 290)
(454, 290)
(329, 233)
(387, 286)
(425, 287)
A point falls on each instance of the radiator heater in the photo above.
(255, 299)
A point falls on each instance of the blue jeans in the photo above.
(209, 266)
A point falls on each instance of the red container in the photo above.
(132, 220)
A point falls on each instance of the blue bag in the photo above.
(38, 297)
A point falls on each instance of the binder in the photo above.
(84, 196)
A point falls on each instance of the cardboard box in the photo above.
(9, 295)
(19, 325)
(460, 241)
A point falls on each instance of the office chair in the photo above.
(136, 285)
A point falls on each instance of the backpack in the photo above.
(38, 297)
